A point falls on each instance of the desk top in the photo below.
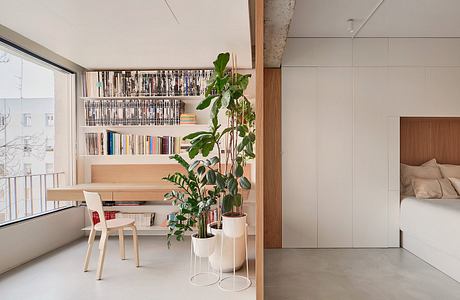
(114, 187)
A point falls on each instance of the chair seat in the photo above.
(115, 223)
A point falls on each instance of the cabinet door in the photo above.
(335, 157)
(299, 157)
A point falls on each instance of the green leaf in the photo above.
(227, 203)
(232, 185)
(215, 109)
(245, 183)
(193, 152)
(205, 102)
(238, 171)
(194, 135)
(238, 200)
(220, 181)
(221, 62)
(211, 177)
(226, 98)
(214, 160)
(201, 170)
(243, 144)
(193, 165)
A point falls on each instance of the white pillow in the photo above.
(428, 170)
(449, 171)
(455, 183)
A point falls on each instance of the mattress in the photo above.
(435, 222)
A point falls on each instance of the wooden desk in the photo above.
(116, 192)
(111, 191)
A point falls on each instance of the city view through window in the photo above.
(30, 94)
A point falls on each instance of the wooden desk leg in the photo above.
(136, 244)
(121, 241)
(102, 247)
(91, 237)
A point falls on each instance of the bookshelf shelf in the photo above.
(186, 126)
(144, 97)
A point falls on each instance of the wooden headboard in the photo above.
(424, 138)
(138, 173)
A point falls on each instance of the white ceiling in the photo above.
(136, 33)
(395, 18)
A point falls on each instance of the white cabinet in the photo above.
(317, 157)
(299, 153)
(334, 159)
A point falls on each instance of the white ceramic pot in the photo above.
(203, 247)
(234, 227)
(227, 252)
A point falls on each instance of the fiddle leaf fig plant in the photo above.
(215, 180)
(234, 142)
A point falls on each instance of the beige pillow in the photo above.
(428, 170)
(448, 191)
(426, 188)
(449, 171)
(455, 183)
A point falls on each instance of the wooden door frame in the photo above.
(259, 53)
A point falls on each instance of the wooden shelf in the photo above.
(159, 230)
(144, 126)
(145, 97)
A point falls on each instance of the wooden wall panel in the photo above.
(272, 155)
(139, 173)
(424, 138)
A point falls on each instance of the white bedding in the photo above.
(435, 222)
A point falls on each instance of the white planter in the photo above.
(227, 253)
(234, 227)
(203, 247)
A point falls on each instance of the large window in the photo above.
(35, 134)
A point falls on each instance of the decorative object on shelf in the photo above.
(146, 83)
(225, 172)
(187, 119)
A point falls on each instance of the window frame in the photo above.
(31, 56)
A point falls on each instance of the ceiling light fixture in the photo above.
(351, 25)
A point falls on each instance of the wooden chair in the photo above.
(94, 204)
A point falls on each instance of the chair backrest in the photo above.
(94, 203)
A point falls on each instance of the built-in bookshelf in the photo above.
(132, 111)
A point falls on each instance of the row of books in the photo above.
(133, 112)
(141, 219)
(146, 83)
(114, 143)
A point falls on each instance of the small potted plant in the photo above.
(194, 201)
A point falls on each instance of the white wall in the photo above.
(24, 241)
(341, 104)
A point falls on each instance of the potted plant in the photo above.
(225, 91)
(194, 201)
(222, 175)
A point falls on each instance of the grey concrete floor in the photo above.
(355, 274)
(163, 274)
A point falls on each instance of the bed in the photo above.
(430, 229)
